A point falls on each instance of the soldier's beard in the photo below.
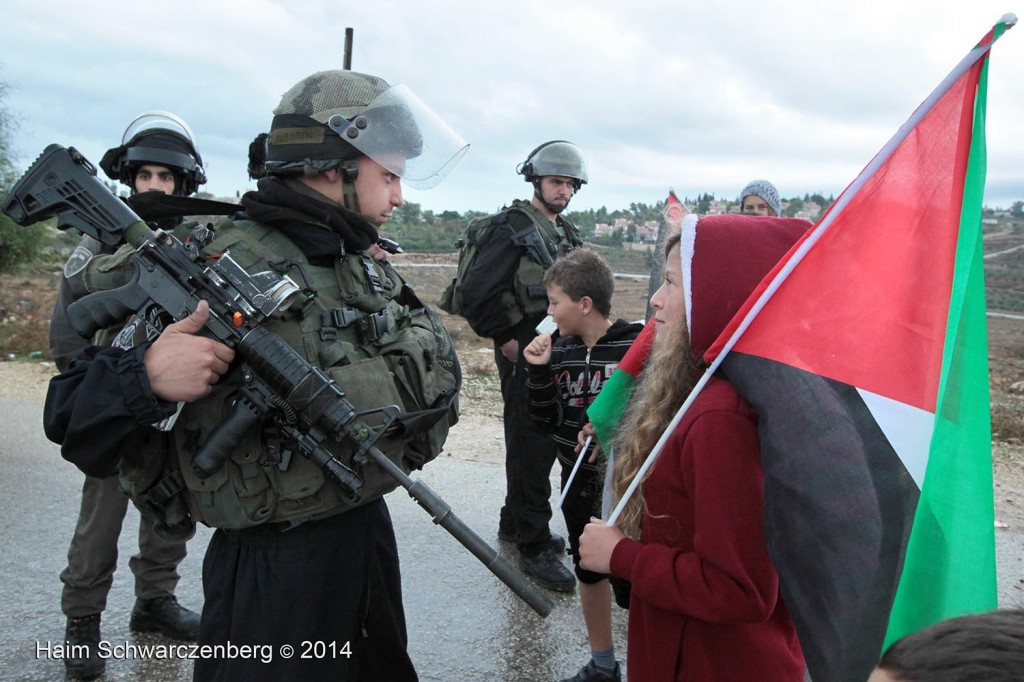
(547, 204)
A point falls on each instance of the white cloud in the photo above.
(700, 98)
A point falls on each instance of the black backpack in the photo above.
(479, 230)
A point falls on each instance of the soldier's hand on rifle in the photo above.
(510, 349)
(377, 253)
(539, 350)
(183, 366)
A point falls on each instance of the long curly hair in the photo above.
(668, 377)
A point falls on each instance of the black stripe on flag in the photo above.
(839, 506)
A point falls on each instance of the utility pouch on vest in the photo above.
(149, 474)
(530, 291)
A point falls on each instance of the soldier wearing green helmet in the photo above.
(505, 303)
(294, 559)
(340, 148)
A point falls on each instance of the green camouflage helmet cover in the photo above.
(333, 116)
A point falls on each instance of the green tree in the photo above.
(19, 246)
(450, 221)
(409, 214)
(796, 204)
(704, 202)
(8, 124)
(1017, 209)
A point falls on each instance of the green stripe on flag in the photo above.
(607, 408)
(950, 562)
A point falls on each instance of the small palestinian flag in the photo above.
(674, 210)
(606, 410)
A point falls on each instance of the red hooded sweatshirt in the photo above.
(705, 601)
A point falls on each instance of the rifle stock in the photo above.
(63, 182)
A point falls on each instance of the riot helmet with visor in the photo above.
(158, 138)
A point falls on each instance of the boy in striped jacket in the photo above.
(566, 373)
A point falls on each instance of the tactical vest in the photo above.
(367, 329)
(531, 297)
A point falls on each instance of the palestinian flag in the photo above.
(674, 210)
(606, 410)
(610, 403)
(865, 354)
(671, 219)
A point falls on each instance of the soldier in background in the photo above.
(157, 154)
(506, 302)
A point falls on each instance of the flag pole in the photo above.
(1009, 20)
(572, 475)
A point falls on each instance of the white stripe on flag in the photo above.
(907, 428)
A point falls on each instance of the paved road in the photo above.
(464, 624)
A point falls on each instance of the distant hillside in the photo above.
(1004, 281)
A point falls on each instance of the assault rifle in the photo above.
(279, 383)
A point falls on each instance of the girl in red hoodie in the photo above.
(705, 603)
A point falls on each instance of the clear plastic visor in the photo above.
(158, 120)
(400, 132)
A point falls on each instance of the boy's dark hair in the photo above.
(583, 272)
(987, 646)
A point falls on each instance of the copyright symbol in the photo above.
(287, 651)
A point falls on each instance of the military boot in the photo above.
(166, 616)
(83, 637)
(506, 534)
(548, 570)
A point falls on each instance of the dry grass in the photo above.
(26, 302)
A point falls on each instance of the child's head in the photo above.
(581, 277)
(982, 646)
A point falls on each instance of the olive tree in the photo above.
(19, 246)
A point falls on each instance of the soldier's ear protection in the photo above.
(258, 157)
(526, 167)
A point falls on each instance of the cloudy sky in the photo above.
(697, 96)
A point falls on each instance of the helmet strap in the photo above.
(349, 170)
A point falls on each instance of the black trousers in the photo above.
(529, 454)
(329, 589)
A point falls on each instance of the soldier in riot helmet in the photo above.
(294, 558)
(506, 302)
(157, 153)
(157, 149)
